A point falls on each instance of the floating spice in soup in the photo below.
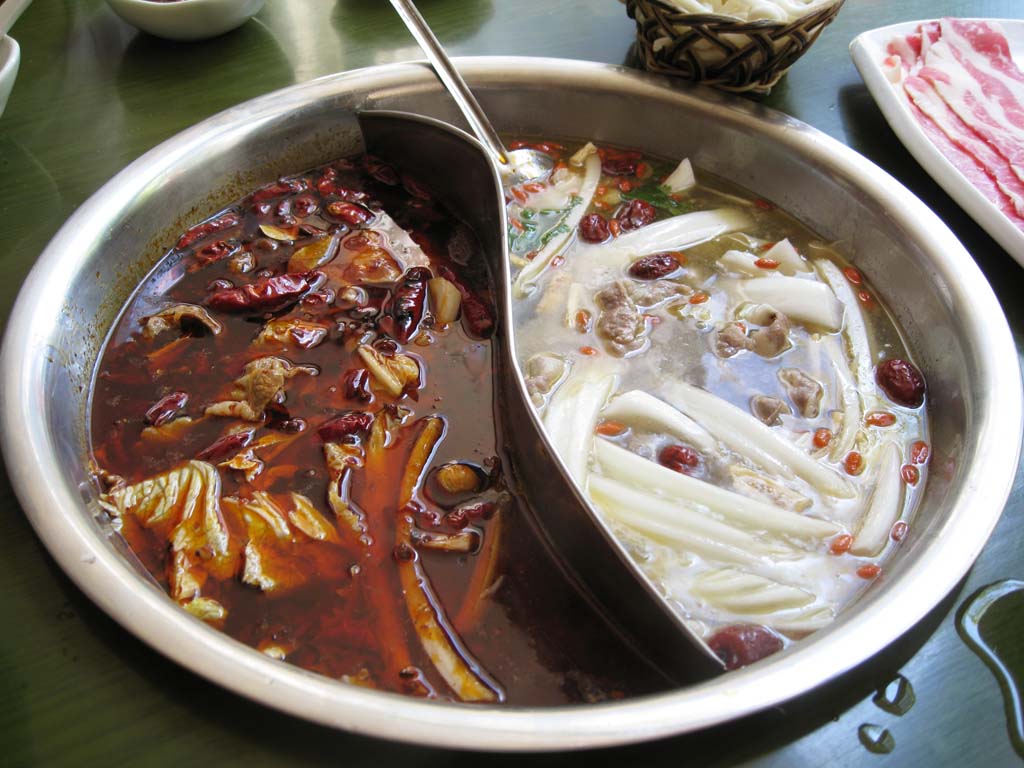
(293, 424)
(730, 392)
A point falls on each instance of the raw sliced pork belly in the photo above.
(967, 94)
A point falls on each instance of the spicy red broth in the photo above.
(293, 423)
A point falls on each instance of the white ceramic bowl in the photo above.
(186, 19)
(10, 58)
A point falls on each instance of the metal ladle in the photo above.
(455, 168)
(517, 165)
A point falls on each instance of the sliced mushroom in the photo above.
(179, 316)
(543, 373)
(803, 391)
(769, 409)
(292, 331)
(773, 339)
(261, 383)
(732, 339)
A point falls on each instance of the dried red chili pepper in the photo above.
(305, 205)
(476, 314)
(216, 251)
(225, 446)
(207, 228)
(405, 309)
(163, 410)
(351, 423)
(457, 518)
(280, 189)
(349, 213)
(357, 385)
(482, 510)
(278, 419)
(325, 184)
(267, 294)
(352, 195)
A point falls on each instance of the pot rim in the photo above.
(56, 509)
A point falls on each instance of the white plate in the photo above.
(192, 20)
(868, 51)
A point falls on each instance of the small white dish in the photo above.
(868, 51)
(10, 59)
(186, 19)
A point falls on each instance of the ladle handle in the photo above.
(452, 80)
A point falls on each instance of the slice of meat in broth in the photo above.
(803, 391)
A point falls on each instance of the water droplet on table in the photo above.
(897, 697)
(876, 739)
(990, 622)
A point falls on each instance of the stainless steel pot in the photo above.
(951, 318)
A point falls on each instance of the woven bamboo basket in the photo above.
(722, 51)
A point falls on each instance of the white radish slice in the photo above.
(734, 508)
(742, 592)
(854, 330)
(850, 404)
(571, 417)
(682, 178)
(644, 411)
(743, 263)
(748, 436)
(807, 620)
(667, 235)
(790, 262)
(675, 525)
(884, 508)
(806, 301)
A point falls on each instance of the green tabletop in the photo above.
(93, 94)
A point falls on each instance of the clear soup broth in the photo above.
(726, 386)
